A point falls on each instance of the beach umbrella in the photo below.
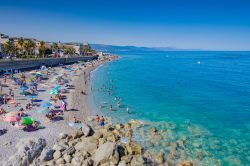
(12, 113)
(23, 88)
(12, 118)
(47, 104)
(54, 92)
(57, 87)
(39, 75)
(12, 101)
(33, 96)
(33, 72)
(25, 93)
(44, 111)
(27, 121)
(33, 84)
(7, 73)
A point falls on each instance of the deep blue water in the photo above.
(205, 95)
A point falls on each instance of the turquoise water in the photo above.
(199, 98)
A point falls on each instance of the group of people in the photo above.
(100, 120)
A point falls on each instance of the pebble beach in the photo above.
(76, 75)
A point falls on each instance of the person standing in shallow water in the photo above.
(102, 122)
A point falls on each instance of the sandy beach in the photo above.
(76, 96)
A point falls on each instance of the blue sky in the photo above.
(210, 24)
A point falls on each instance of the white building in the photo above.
(3, 39)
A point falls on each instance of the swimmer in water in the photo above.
(118, 104)
(111, 108)
(127, 109)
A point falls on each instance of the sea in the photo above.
(199, 100)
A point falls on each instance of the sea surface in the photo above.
(199, 100)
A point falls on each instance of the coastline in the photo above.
(84, 102)
(85, 143)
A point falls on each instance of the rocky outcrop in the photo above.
(108, 146)
(28, 150)
(107, 154)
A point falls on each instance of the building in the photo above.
(1, 50)
(86, 46)
(3, 39)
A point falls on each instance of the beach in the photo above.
(77, 106)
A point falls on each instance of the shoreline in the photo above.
(84, 102)
(84, 143)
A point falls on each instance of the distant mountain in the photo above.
(112, 48)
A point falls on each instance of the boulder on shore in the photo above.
(28, 150)
(106, 153)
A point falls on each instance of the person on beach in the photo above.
(63, 106)
(102, 122)
(10, 91)
(5, 79)
(21, 113)
(28, 106)
(1, 87)
(97, 118)
(2, 111)
(76, 120)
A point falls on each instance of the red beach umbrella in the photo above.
(12, 119)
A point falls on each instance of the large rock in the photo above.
(67, 158)
(57, 155)
(133, 148)
(122, 163)
(60, 148)
(47, 155)
(69, 151)
(77, 134)
(160, 158)
(106, 153)
(62, 136)
(137, 161)
(86, 129)
(112, 137)
(28, 150)
(98, 134)
(87, 144)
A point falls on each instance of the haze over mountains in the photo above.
(113, 48)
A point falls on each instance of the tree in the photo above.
(42, 48)
(21, 44)
(68, 50)
(54, 47)
(10, 48)
(29, 46)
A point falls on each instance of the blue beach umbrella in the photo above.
(33, 84)
(23, 88)
(7, 73)
(44, 111)
(33, 96)
(57, 87)
(47, 104)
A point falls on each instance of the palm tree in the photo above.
(10, 48)
(68, 50)
(42, 48)
(21, 44)
(29, 46)
(55, 47)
